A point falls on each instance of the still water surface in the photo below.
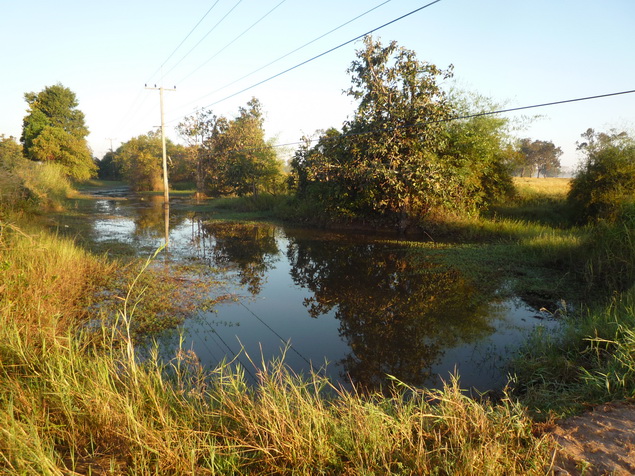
(360, 304)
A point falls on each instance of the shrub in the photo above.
(606, 181)
(610, 253)
(26, 184)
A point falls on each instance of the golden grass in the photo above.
(550, 187)
(80, 402)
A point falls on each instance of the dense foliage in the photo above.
(538, 157)
(28, 185)
(139, 161)
(54, 131)
(400, 158)
(107, 168)
(232, 156)
(606, 181)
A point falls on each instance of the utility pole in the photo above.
(111, 139)
(166, 194)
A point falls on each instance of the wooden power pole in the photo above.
(166, 193)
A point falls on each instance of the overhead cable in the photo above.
(289, 53)
(324, 53)
(206, 35)
(232, 41)
(183, 41)
(449, 119)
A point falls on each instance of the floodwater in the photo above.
(356, 307)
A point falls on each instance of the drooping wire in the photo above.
(448, 119)
(135, 107)
(232, 41)
(206, 35)
(324, 53)
(286, 342)
(287, 54)
(183, 41)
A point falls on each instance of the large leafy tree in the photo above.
(401, 157)
(605, 182)
(539, 157)
(252, 163)
(54, 130)
(233, 156)
(139, 160)
(397, 130)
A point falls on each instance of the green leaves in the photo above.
(54, 130)
(59, 146)
(233, 155)
(541, 157)
(401, 155)
(606, 181)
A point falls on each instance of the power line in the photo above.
(232, 41)
(449, 119)
(289, 53)
(183, 41)
(324, 53)
(262, 321)
(206, 35)
(318, 56)
(135, 106)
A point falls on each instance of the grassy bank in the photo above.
(78, 401)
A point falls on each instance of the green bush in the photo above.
(606, 181)
(610, 253)
(25, 184)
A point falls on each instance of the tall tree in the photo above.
(54, 130)
(540, 157)
(139, 160)
(194, 129)
(400, 157)
(252, 163)
(233, 155)
(10, 152)
(397, 128)
(107, 168)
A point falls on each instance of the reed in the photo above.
(79, 400)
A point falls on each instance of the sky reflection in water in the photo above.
(359, 304)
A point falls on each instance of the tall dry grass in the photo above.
(78, 400)
(31, 186)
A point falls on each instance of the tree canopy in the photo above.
(606, 179)
(139, 161)
(400, 157)
(54, 130)
(233, 157)
(539, 157)
(10, 151)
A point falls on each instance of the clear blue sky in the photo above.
(516, 52)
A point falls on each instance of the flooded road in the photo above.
(358, 307)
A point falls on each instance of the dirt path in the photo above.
(598, 442)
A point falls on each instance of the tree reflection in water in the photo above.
(250, 249)
(396, 318)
